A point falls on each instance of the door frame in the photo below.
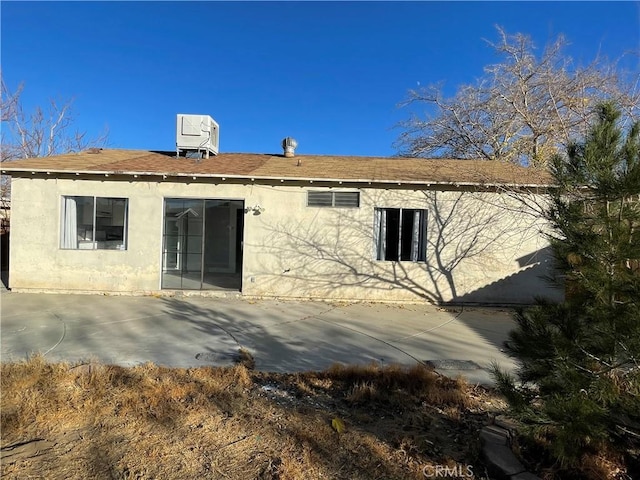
(235, 264)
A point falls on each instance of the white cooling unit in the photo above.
(197, 133)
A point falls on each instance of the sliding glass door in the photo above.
(200, 244)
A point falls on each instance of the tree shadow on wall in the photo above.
(470, 242)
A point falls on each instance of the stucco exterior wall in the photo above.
(480, 247)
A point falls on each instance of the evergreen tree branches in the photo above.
(579, 381)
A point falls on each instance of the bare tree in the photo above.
(522, 110)
(43, 132)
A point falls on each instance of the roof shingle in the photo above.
(306, 167)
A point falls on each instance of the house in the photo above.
(297, 226)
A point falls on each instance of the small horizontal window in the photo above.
(333, 199)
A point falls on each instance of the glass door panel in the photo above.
(182, 244)
(202, 244)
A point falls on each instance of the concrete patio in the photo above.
(282, 336)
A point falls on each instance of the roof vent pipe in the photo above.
(289, 145)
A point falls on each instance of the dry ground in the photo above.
(98, 421)
(62, 421)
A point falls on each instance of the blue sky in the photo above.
(329, 74)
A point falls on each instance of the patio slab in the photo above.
(283, 336)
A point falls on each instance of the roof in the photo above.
(277, 167)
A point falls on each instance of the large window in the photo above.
(319, 198)
(400, 234)
(94, 223)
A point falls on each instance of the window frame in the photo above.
(418, 246)
(69, 241)
(333, 194)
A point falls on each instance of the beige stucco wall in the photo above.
(476, 252)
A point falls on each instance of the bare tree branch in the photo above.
(42, 132)
(525, 109)
(39, 133)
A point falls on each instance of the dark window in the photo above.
(400, 234)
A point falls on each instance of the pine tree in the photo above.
(578, 386)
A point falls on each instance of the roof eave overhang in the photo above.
(254, 178)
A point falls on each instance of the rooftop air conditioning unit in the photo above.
(197, 133)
